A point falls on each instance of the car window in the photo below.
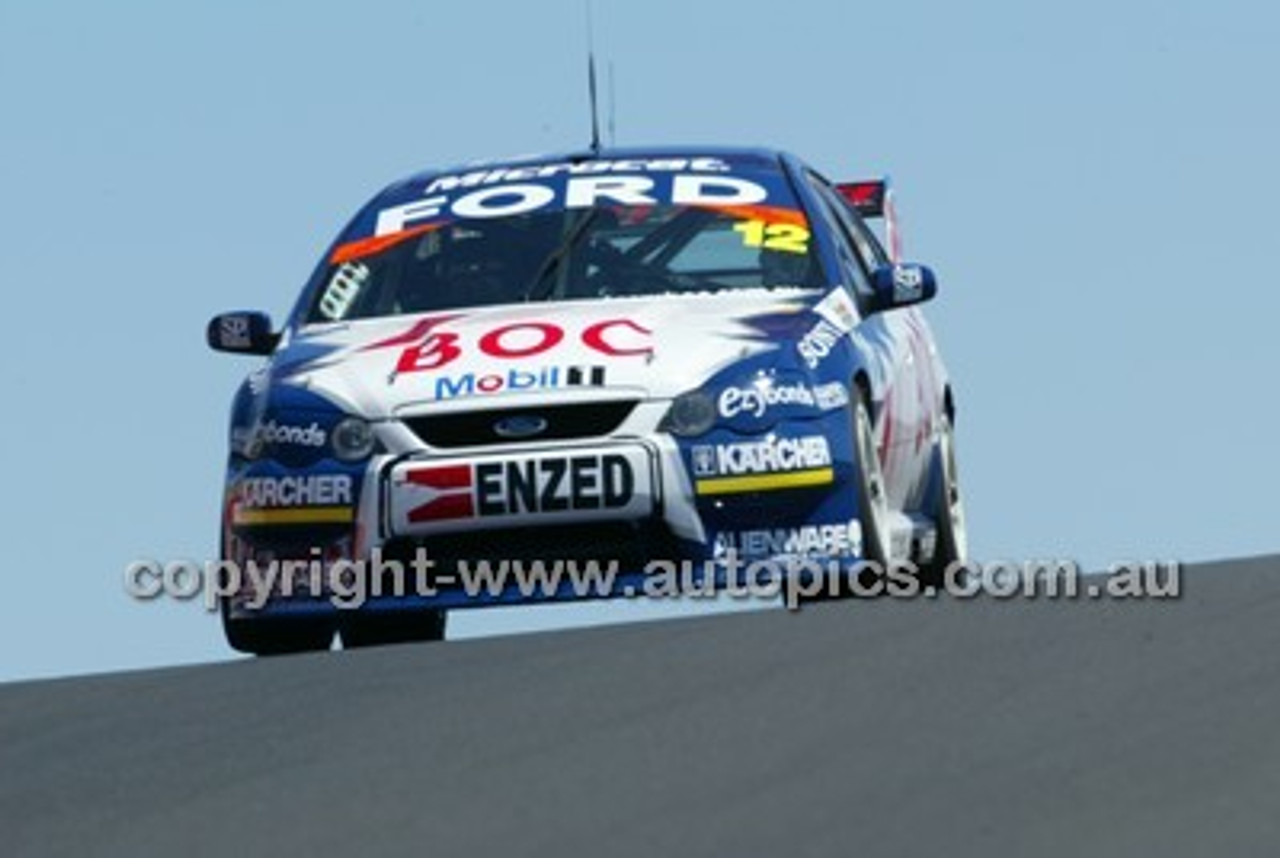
(852, 265)
(870, 252)
(550, 234)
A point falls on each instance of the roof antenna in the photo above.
(591, 82)
(613, 103)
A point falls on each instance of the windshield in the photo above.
(560, 232)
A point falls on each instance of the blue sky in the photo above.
(1093, 182)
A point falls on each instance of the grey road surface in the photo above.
(980, 727)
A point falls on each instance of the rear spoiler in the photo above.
(873, 199)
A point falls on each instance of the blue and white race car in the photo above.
(695, 355)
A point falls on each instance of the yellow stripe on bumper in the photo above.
(296, 515)
(765, 482)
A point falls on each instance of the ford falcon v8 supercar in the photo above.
(624, 356)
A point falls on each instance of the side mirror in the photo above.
(245, 332)
(902, 285)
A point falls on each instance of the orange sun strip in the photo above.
(368, 246)
(768, 214)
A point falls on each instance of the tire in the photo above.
(277, 635)
(873, 501)
(263, 635)
(359, 629)
(947, 503)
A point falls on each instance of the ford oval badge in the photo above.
(520, 426)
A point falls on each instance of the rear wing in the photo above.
(873, 199)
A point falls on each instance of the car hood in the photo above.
(653, 347)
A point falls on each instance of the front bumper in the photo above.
(622, 503)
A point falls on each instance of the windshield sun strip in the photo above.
(362, 247)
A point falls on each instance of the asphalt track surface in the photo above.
(875, 728)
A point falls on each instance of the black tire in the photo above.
(277, 635)
(947, 504)
(359, 629)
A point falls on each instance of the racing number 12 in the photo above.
(773, 236)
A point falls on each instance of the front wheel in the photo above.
(360, 629)
(276, 635)
(872, 499)
(952, 544)
(869, 485)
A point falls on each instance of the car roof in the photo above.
(763, 155)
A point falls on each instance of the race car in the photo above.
(629, 356)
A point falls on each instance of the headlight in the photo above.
(691, 414)
(352, 439)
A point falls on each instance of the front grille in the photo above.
(479, 428)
